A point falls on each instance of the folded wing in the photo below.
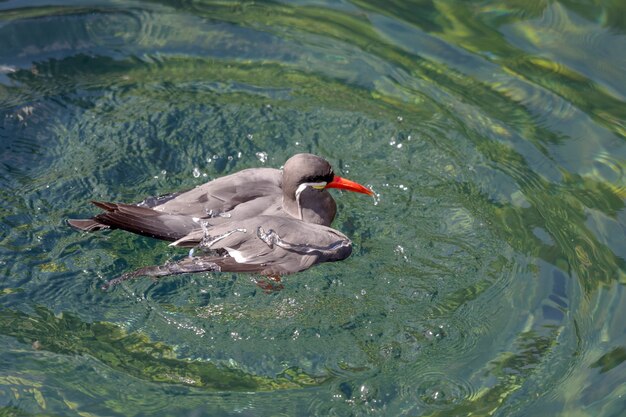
(267, 245)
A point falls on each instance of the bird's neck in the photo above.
(311, 206)
(292, 207)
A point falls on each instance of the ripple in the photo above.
(438, 391)
(433, 301)
(611, 171)
(115, 28)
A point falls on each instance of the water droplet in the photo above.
(376, 195)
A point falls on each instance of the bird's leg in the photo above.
(274, 277)
(187, 265)
(272, 285)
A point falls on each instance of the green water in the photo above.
(487, 276)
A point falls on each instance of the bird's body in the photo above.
(258, 220)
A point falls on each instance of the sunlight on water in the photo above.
(487, 273)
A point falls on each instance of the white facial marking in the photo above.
(303, 187)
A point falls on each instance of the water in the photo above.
(487, 276)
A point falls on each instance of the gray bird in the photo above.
(259, 220)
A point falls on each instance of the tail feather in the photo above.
(144, 221)
(105, 205)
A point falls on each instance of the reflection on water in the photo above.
(485, 279)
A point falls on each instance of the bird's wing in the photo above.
(247, 193)
(271, 244)
(224, 193)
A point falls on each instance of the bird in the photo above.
(263, 221)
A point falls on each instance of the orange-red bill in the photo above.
(345, 184)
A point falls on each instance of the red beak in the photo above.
(345, 184)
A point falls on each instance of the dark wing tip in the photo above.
(104, 205)
(86, 225)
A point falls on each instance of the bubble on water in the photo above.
(196, 172)
(439, 391)
(436, 333)
(399, 251)
(262, 156)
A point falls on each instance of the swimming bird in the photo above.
(259, 220)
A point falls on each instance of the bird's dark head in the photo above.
(305, 180)
(306, 170)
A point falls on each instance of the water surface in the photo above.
(487, 277)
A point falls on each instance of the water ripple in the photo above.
(484, 279)
(437, 391)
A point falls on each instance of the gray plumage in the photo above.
(258, 220)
